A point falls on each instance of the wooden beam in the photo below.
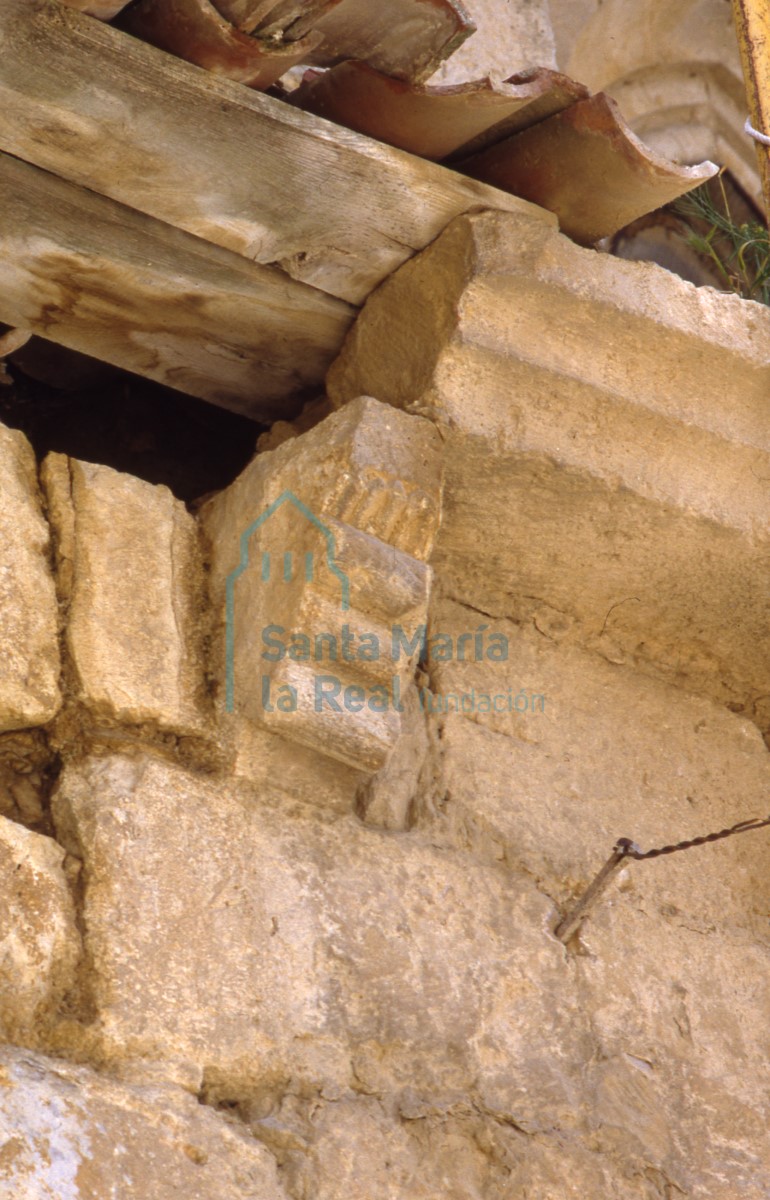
(88, 273)
(245, 171)
(752, 24)
(104, 10)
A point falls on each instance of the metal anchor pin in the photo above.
(565, 929)
(624, 848)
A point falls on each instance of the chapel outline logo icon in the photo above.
(286, 497)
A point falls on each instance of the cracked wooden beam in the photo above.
(201, 153)
(99, 278)
(752, 23)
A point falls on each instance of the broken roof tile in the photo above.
(196, 31)
(405, 39)
(408, 39)
(586, 165)
(287, 19)
(434, 122)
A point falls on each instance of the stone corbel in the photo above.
(319, 572)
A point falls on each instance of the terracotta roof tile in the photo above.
(434, 122)
(537, 134)
(587, 166)
(196, 31)
(256, 41)
(408, 39)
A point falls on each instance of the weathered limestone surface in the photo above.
(130, 579)
(510, 36)
(273, 944)
(326, 535)
(39, 941)
(673, 963)
(299, 772)
(607, 39)
(70, 1134)
(411, 1148)
(549, 789)
(260, 944)
(25, 763)
(607, 444)
(340, 934)
(29, 658)
(388, 799)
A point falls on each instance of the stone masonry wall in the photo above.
(257, 948)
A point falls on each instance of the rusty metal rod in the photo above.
(624, 848)
(573, 919)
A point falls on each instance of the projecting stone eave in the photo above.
(608, 444)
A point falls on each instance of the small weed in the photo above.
(740, 253)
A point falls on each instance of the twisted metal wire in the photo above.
(624, 848)
(630, 849)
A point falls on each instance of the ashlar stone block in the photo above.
(68, 1133)
(264, 944)
(39, 940)
(130, 578)
(574, 752)
(29, 647)
(319, 581)
(607, 447)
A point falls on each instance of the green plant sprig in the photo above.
(740, 253)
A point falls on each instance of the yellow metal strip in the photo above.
(752, 22)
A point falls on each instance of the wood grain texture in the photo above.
(330, 207)
(104, 10)
(90, 274)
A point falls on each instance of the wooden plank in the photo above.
(90, 274)
(105, 10)
(243, 170)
